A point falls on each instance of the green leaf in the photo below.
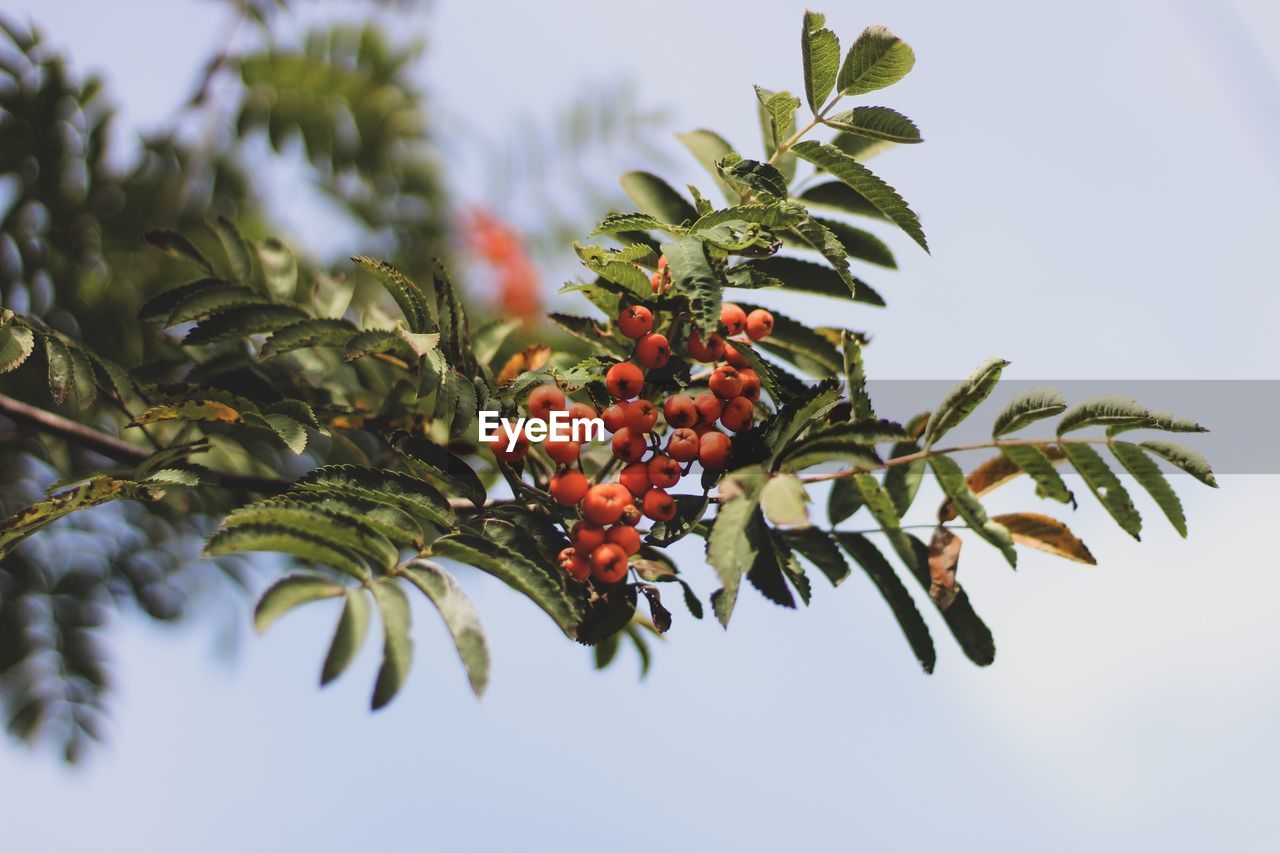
(693, 276)
(844, 500)
(860, 244)
(779, 117)
(542, 584)
(708, 148)
(289, 431)
(876, 60)
(337, 530)
(407, 295)
(424, 455)
(417, 498)
(1103, 411)
(655, 197)
(213, 297)
(876, 123)
(966, 626)
(459, 617)
(58, 356)
(348, 637)
(96, 490)
(397, 647)
(1034, 462)
(841, 443)
(969, 508)
(242, 321)
(1166, 421)
(783, 500)
(623, 223)
(855, 375)
(236, 247)
(730, 551)
(390, 522)
(818, 548)
(1026, 408)
(835, 195)
(175, 245)
(1148, 474)
(296, 543)
(374, 341)
(307, 333)
(862, 181)
(289, 592)
(895, 594)
(815, 235)
(768, 570)
(193, 410)
(800, 413)
(801, 345)
(16, 345)
(821, 52)
(1106, 487)
(961, 400)
(455, 329)
(160, 305)
(1185, 458)
(801, 276)
(754, 175)
(279, 269)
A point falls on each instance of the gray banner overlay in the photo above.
(1243, 415)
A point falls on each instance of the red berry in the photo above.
(635, 322)
(577, 567)
(708, 406)
(627, 445)
(545, 399)
(641, 417)
(733, 318)
(734, 356)
(615, 416)
(653, 351)
(759, 324)
(659, 505)
(586, 536)
(499, 446)
(603, 503)
(564, 452)
(750, 383)
(581, 411)
(712, 350)
(630, 515)
(624, 380)
(636, 478)
(609, 563)
(682, 445)
(626, 538)
(662, 262)
(738, 414)
(679, 411)
(569, 487)
(664, 472)
(713, 450)
(725, 382)
(655, 282)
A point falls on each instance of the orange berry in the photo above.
(636, 478)
(759, 324)
(609, 563)
(564, 452)
(574, 564)
(735, 357)
(680, 411)
(733, 318)
(659, 505)
(664, 471)
(653, 351)
(569, 487)
(750, 383)
(682, 445)
(627, 445)
(615, 416)
(499, 446)
(738, 414)
(708, 406)
(543, 400)
(624, 380)
(713, 450)
(635, 322)
(586, 536)
(625, 537)
(641, 416)
(603, 504)
(712, 350)
(725, 382)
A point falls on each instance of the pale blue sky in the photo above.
(1100, 186)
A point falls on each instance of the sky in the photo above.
(1099, 184)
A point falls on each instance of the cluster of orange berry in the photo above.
(503, 248)
(605, 537)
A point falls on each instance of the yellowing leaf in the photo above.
(529, 358)
(203, 410)
(1045, 533)
(944, 559)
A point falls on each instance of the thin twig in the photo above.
(959, 448)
